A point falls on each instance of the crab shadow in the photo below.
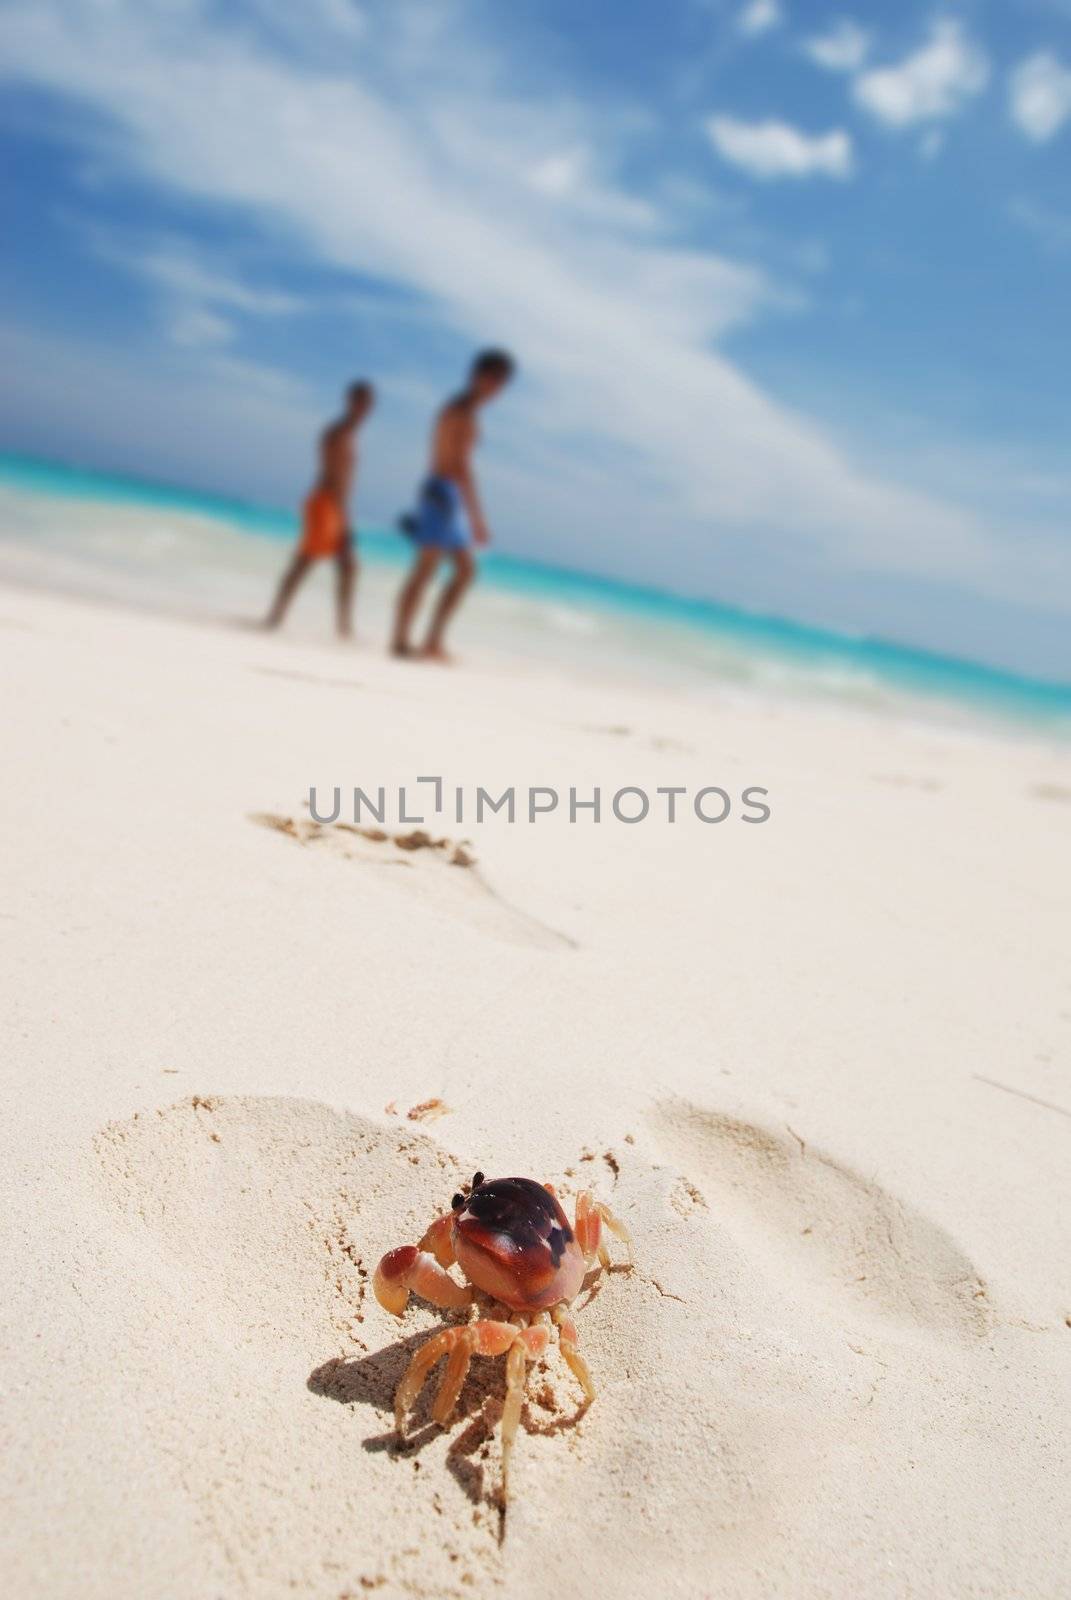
(372, 1381)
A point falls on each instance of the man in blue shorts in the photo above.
(448, 518)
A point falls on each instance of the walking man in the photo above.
(449, 518)
(326, 532)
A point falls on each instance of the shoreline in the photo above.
(918, 715)
(605, 628)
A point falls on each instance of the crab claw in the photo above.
(409, 1269)
(388, 1283)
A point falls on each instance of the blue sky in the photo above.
(787, 281)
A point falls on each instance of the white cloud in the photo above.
(337, 22)
(932, 84)
(570, 178)
(1039, 96)
(777, 150)
(559, 175)
(403, 167)
(759, 16)
(843, 48)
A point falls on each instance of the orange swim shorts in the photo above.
(324, 531)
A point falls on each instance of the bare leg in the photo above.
(449, 600)
(423, 570)
(345, 583)
(292, 577)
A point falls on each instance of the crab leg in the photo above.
(567, 1344)
(417, 1371)
(529, 1343)
(457, 1370)
(616, 1227)
(439, 1240)
(516, 1373)
(591, 1215)
(485, 1338)
(588, 1226)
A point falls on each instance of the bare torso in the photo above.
(453, 440)
(338, 458)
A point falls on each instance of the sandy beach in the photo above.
(819, 1066)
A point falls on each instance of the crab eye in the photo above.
(457, 1202)
(477, 1180)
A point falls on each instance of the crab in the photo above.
(514, 1243)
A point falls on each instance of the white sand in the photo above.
(841, 1367)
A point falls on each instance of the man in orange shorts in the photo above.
(326, 532)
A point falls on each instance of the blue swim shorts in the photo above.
(439, 519)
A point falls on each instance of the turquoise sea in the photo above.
(172, 549)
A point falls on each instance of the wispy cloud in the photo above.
(178, 268)
(759, 16)
(198, 328)
(1039, 96)
(1052, 228)
(842, 48)
(198, 303)
(775, 149)
(933, 83)
(269, 414)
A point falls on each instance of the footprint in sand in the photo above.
(262, 1368)
(308, 677)
(1057, 792)
(737, 1408)
(249, 1227)
(621, 731)
(902, 780)
(817, 1228)
(267, 1200)
(442, 871)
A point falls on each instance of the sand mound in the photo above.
(818, 1228)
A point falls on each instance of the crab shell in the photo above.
(513, 1240)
